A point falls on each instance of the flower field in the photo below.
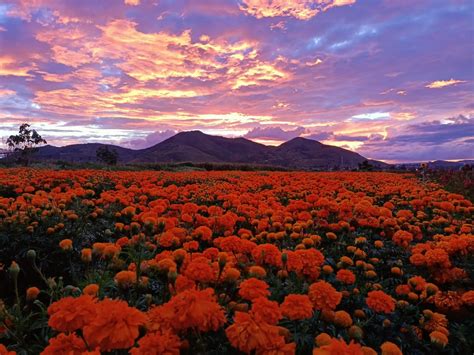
(233, 262)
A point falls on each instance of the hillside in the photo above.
(198, 147)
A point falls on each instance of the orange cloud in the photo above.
(403, 116)
(300, 9)
(132, 2)
(9, 66)
(6, 92)
(438, 84)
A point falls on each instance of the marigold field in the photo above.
(233, 262)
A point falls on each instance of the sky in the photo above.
(389, 79)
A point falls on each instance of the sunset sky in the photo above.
(392, 80)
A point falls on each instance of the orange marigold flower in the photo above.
(4, 350)
(402, 290)
(468, 298)
(64, 344)
(418, 259)
(257, 271)
(253, 288)
(70, 314)
(389, 348)
(342, 319)
(323, 339)
(380, 302)
(346, 276)
(324, 296)
(402, 238)
(439, 338)
(265, 310)
(204, 233)
(437, 258)
(125, 278)
(200, 270)
(433, 321)
(197, 309)
(339, 346)
(231, 274)
(448, 301)
(91, 290)
(417, 282)
(86, 255)
(65, 244)
(248, 334)
(267, 254)
(116, 325)
(158, 343)
(297, 307)
(32, 293)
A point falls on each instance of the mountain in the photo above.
(198, 147)
(80, 153)
(437, 165)
(195, 146)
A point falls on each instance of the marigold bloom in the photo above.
(257, 271)
(115, 326)
(448, 301)
(265, 310)
(342, 319)
(402, 238)
(324, 296)
(86, 255)
(297, 307)
(322, 339)
(64, 344)
(247, 334)
(65, 244)
(433, 321)
(253, 288)
(196, 309)
(339, 346)
(389, 348)
(231, 274)
(125, 278)
(267, 254)
(158, 343)
(468, 298)
(380, 302)
(200, 270)
(437, 258)
(91, 290)
(69, 313)
(346, 276)
(32, 293)
(4, 350)
(439, 338)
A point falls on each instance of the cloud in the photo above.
(447, 139)
(438, 84)
(319, 136)
(300, 9)
(372, 116)
(150, 140)
(132, 2)
(274, 133)
(9, 66)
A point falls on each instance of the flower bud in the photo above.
(14, 270)
(31, 256)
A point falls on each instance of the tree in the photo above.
(366, 166)
(25, 143)
(107, 156)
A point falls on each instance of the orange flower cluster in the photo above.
(258, 262)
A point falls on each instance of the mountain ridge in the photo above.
(198, 147)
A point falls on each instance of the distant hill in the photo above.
(437, 165)
(198, 147)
